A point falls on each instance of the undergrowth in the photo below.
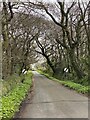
(12, 101)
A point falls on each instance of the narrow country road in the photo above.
(52, 100)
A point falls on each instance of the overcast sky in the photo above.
(52, 1)
(49, 1)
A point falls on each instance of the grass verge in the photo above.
(70, 84)
(12, 101)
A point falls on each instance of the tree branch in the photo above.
(38, 52)
(52, 17)
(11, 12)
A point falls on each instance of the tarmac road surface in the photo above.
(52, 100)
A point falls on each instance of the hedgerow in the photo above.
(10, 83)
(75, 86)
(70, 84)
(11, 102)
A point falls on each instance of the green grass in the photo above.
(11, 102)
(70, 84)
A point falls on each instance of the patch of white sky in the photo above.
(48, 1)
(54, 1)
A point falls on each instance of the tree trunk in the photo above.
(89, 42)
(50, 63)
(7, 49)
(80, 74)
